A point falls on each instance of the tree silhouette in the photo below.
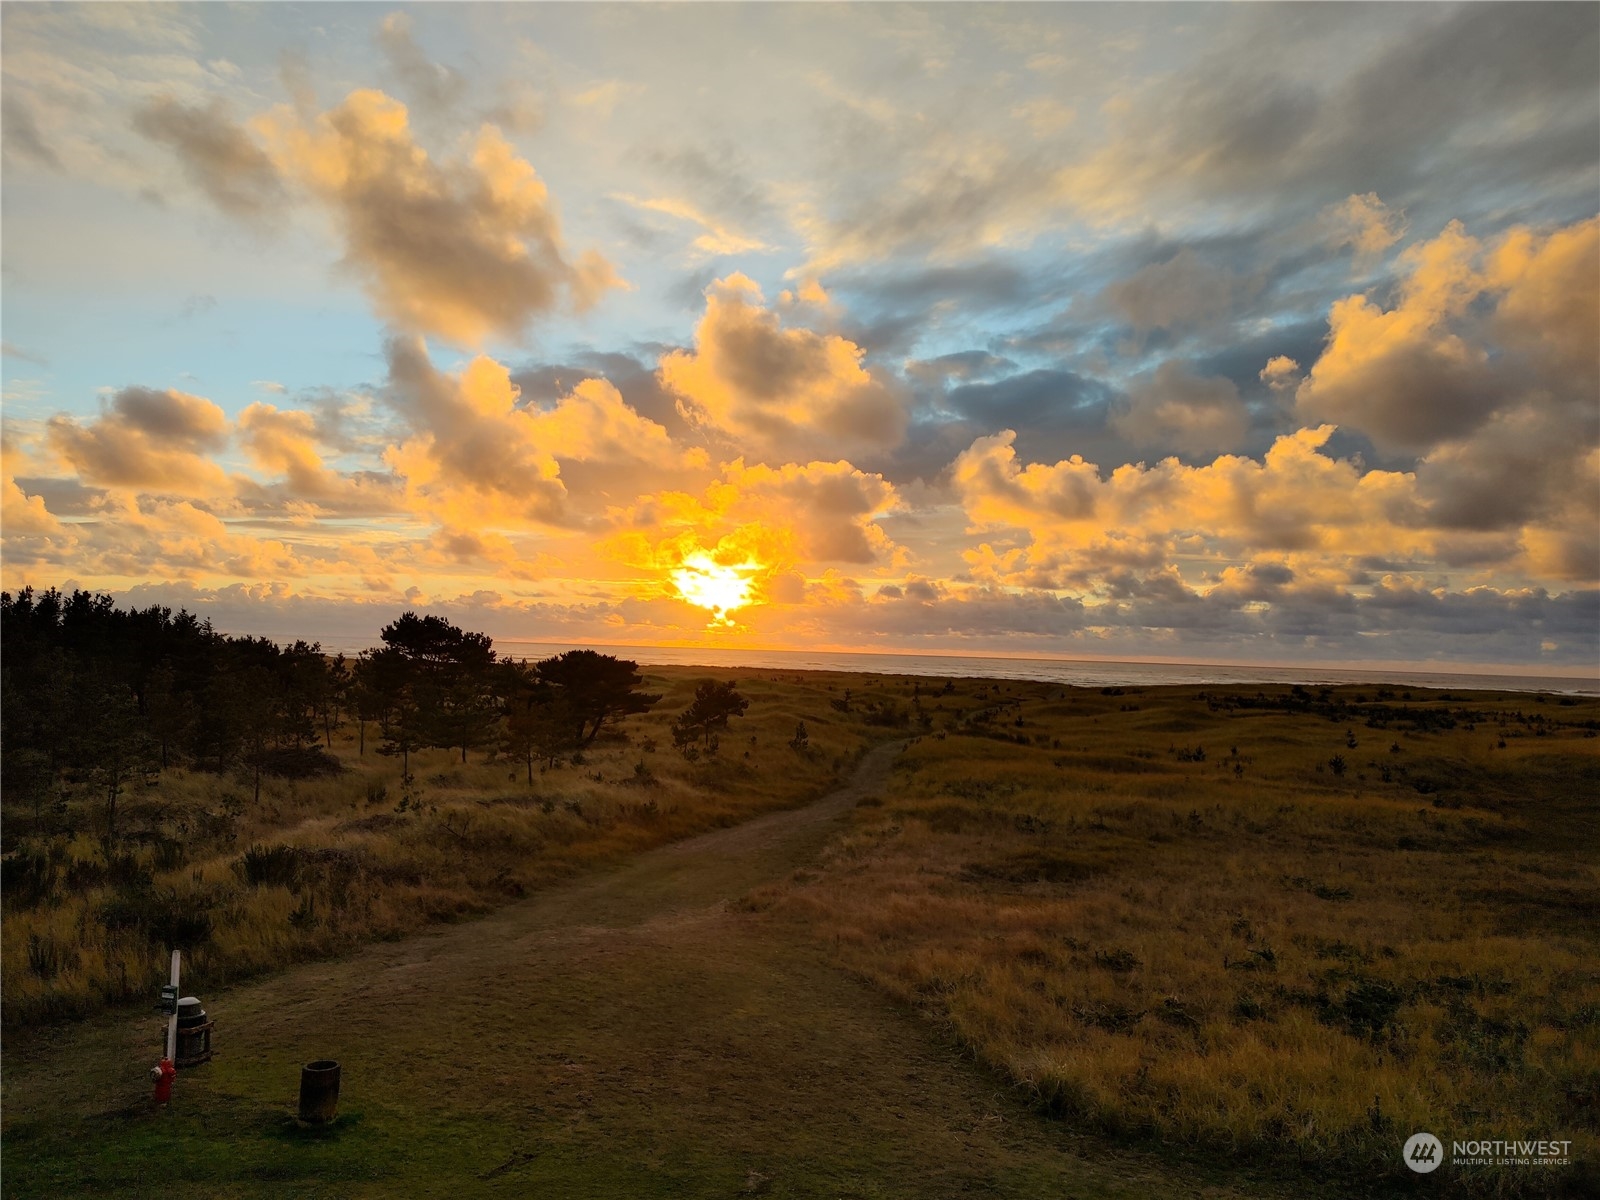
(714, 703)
(449, 675)
(539, 723)
(597, 688)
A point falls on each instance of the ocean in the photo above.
(1075, 672)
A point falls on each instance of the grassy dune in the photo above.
(1279, 928)
(625, 1034)
(1266, 922)
(323, 865)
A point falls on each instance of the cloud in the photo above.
(780, 393)
(1184, 290)
(24, 515)
(602, 98)
(218, 155)
(17, 352)
(832, 507)
(847, 436)
(961, 365)
(156, 440)
(953, 198)
(288, 443)
(1520, 467)
(812, 514)
(1549, 299)
(19, 132)
(433, 87)
(1043, 116)
(475, 458)
(519, 109)
(463, 249)
(1404, 376)
(778, 527)
(1293, 500)
(1281, 374)
(715, 240)
(1172, 407)
(1435, 368)
(719, 178)
(471, 459)
(593, 423)
(1236, 130)
(1365, 224)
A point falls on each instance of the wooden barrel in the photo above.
(319, 1091)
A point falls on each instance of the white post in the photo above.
(172, 1021)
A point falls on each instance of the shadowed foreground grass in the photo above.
(1276, 924)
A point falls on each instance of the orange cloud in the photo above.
(779, 394)
(155, 440)
(1423, 372)
(477, 458)
(461, 249)
(24, 515)
(1549, 287)
(1365, 224)
(1294, 499)
(815, 514)
(285, 442)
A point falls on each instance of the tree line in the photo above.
(94, 696)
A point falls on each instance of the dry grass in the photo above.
(1203, 917)
(1245, 949)
(370, 858)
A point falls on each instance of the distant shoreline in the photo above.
(1074, 672)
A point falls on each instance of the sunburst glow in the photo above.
(703, 581)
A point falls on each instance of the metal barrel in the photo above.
(194, 1034)
(319, 1091)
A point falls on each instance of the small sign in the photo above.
(169, 998)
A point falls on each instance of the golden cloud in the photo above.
(1426, 371)
(463, 249)
(779, 394)
(1366, 224)
(24, 515)
(477, 458)
(1294, 499)
(153, 440)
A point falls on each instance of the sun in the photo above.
(703, 581)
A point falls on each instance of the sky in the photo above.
(1237, 333)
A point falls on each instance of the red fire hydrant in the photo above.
(162, 1074)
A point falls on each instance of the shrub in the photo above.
(29, 876)
(47, 957)
(269, 866)
(714, 704)
(1368, 1008)
(1117, 960)
(886, 714)
(299, 762)
(179, 922)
